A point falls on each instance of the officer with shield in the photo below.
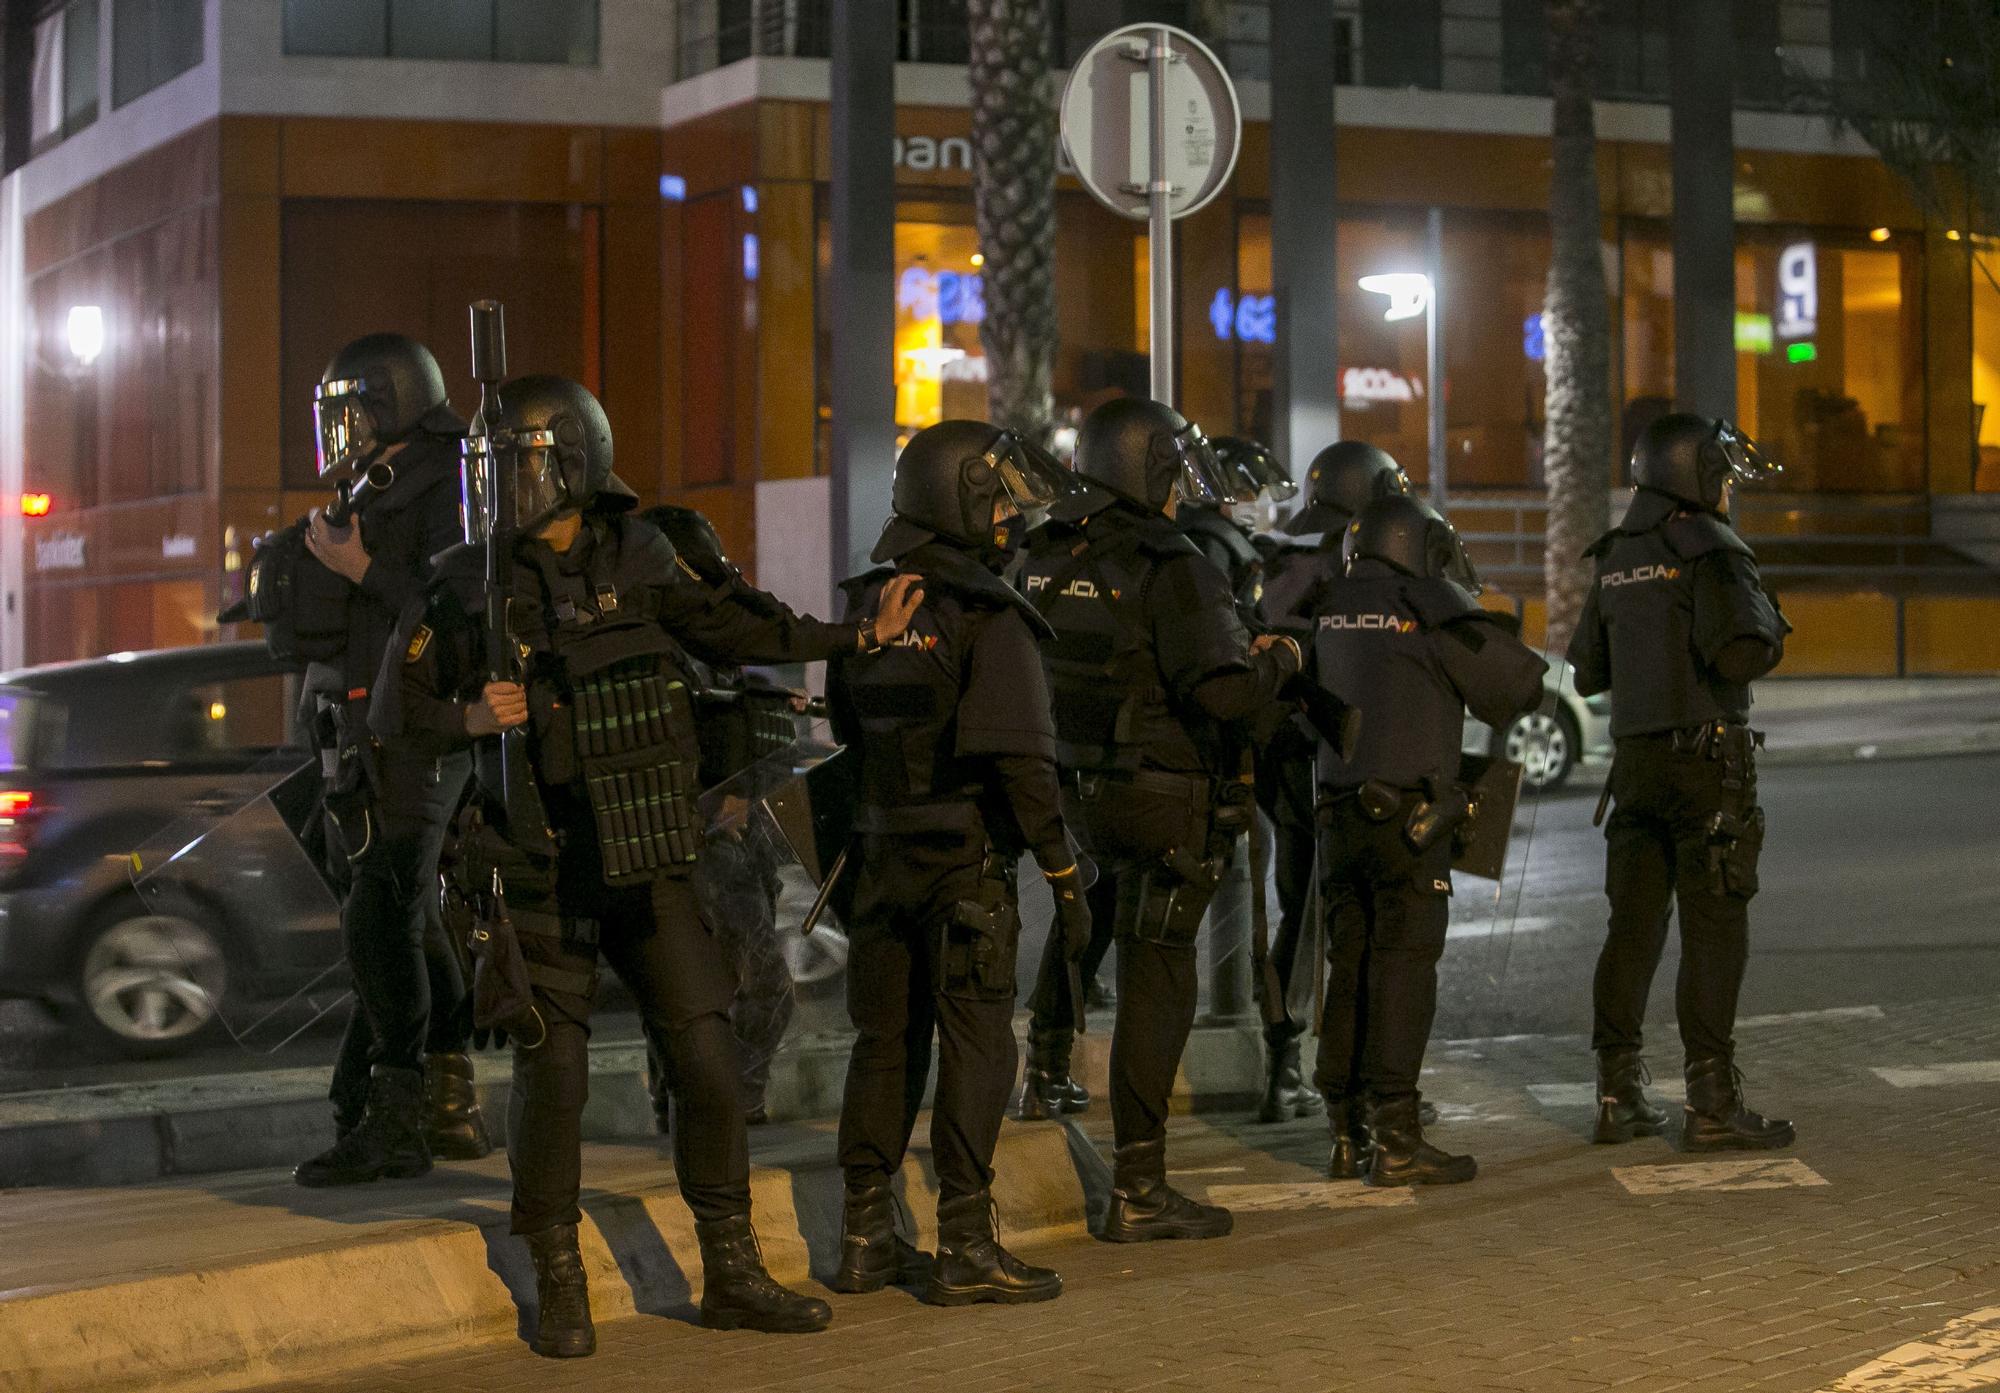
(599, 614)
(402, 1088)
(1679, 624)
(1156, 685)
(958, 781)
(1394, 634)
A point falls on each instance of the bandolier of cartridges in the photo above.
(641, 786)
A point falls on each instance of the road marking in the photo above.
(1491, 926)
(1718, 1175)
(1471, 1112)
(1211, 1170)
(1831, 1013)
(1584, 1095)
(1965, 1355)
(1939, 1075)
(1326, 1194)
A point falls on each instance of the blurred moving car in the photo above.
(104, 759)
(1549, 742)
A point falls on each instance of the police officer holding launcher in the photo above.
(1342, 479)
(958, 779)
(1394, 635)
(1156, 683)
(1678, 625)
(600, 609)
(402, 1089)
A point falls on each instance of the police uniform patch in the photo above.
(419, 641)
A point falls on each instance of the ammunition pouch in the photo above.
(1379, 801)
(1437, 816)
(629, 723)
(981, 938)
(739, 726)
(1735, 845)
(1173, 897)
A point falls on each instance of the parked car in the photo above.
(125, 762)
(1549, 742)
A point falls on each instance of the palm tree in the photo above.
(1576, 324)
(1014, 198)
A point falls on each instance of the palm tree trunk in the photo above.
(1576, 325)
(1014, 198)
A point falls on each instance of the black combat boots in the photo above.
(1716, 1117)
(454, 1128)
(1286, 1095)
(872, 1253)
(972, 1266)
(738, 1294)
(1623, 1109)
(1144, 1207)
(388, 1142)
(1401, 1156)
(562, 1320)
(1352, 1149)
(1047, 1090)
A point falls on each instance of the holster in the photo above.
(1441, 813)
(348, 754)
(980, 938)
(1735, 845)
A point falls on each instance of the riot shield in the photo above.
(237, 925)
(1494, 786)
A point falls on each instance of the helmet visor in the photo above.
(1253, 466)
(1201, 477)
(1747, 464)
(1032, 478)
(539, 490)
(343, 431)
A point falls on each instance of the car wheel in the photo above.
(1545, 744)
(149, 984)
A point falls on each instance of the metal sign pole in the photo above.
(1434, 367)
(1160, 229)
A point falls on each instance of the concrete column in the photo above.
(1305, 407)
(861, 290)
(1704, 155)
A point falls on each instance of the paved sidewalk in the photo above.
(1810, 720)
(1863, 1259)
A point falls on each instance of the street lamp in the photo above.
(1409, 293)
(1413, 293)
(85, 331)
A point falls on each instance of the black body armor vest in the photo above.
(611, 698)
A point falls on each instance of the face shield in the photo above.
(1031, 478)
(540, 492)
(1742, 462)
(1200, 477)
(343, 431)
(1251, 466)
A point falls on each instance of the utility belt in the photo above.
(1734, 835)
(1440, 808)
(1196, 790)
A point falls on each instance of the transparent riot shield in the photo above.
(236, 928)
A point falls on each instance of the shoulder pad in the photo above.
(1162, 541)
(956, 574)
(461, 573)
(1439, 602)
(1602, 545)
(639, 539)
(1693, 535)
(854, 587)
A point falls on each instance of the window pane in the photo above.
(337, 28)
(547, 31)
(461, 29)
(45, 85)
(79, 65)
(152, 41)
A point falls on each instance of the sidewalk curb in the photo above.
(425, 1287)
(1853, 752)
(126, 1134)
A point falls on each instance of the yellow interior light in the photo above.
(216, 710)
(1880, 234)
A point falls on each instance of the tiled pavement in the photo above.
(1864, 1259)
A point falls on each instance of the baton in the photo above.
(811, 921)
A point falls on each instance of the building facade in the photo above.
(645, 184)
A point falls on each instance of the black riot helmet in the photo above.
(971, 484)
(1343, 479)
(1146, 452)
(1252, 465)
(1410, 536)
(1697, 460)
(695, 540)
(378, 390)
(558, 441)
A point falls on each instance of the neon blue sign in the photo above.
(949, 297)
(1246, 319)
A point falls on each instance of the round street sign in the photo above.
(1107, 121)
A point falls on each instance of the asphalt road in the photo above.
(1881, 884)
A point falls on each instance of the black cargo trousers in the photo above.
(1387, 909)
(1286, 789)
(1686, 831)
(1166, 839)
(933, 928)
(408, 982)
(653, 936)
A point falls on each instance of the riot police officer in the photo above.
(1156, 683)
(600, 609)
(402, 1088)
(1394, 635)
(958, 780)
(741, 717)
(1341, 480)
(1679, 625)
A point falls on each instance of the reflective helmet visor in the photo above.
(343, 431)
(1202, 478)
(1747, 464)
(1252, 466)
(540, 491)
(1032, 478)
